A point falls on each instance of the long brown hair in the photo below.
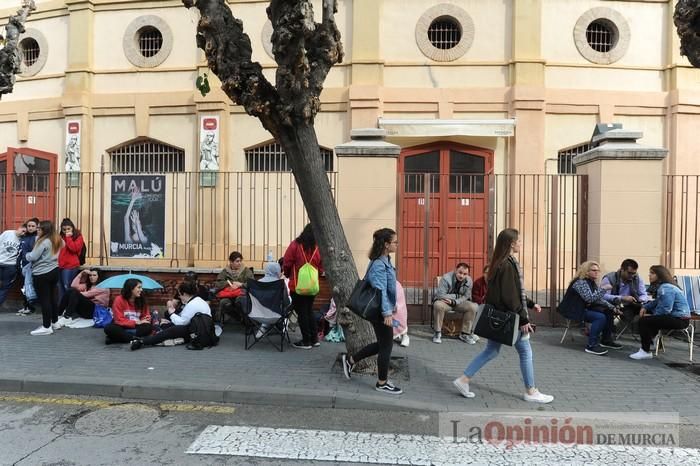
(663, 275)
(502, 250)
(48, 232)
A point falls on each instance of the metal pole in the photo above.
(103, 244)
(554, 248)
(426, 246)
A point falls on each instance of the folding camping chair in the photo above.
(266, 314)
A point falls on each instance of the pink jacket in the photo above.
(94, 294)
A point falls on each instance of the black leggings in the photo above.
(119, 334)
(382, 348)
(46, 286)
(649, 326)
(174, 331)
(305, 315)
(74, 304)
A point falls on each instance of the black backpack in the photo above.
(202, 332)
(83, 253)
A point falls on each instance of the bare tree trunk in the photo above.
(10, 56)
(304, 51)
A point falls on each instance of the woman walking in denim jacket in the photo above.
(382, 276)
(506, 292)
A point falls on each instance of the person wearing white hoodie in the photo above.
(9, 251)
(193, 304)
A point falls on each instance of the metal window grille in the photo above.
(445, 33)
(601, 36)
(30, 51)
(150, 41)
(565, 158)
(147, 157)
(272, 158)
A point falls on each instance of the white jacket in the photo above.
(194, 306)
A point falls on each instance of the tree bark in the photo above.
(304, 51)
(10, 55)
(686, 17)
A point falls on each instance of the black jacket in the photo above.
(504, 291)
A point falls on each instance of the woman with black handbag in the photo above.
(506, 292)
(382, 276)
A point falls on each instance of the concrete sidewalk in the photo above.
(78, 362)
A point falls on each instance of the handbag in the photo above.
(230, 293)
(366, 301)
(500, 326)
(102, 316)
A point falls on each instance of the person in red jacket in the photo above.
(131, 316)
(480, 288)
(300, 251)
(69, 256)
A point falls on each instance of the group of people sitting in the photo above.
(623, 295)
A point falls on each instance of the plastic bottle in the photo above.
(270, 257)
(155, 318)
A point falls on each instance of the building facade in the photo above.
(486, 100)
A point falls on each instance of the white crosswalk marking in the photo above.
(361, 447)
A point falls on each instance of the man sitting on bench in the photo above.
(454, 294)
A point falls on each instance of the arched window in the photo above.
(146, 156)
(270, 157)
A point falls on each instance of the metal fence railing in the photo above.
(177, 217)
(681, 247)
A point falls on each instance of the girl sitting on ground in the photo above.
(180, 328)
(78, 304)
(131, 315)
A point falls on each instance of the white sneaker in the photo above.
(24, 311)
(537, 397)
(641, 354)
(437, 337)
(405, 340)
(463, 388)
(57, 325)
(174, 342)
(64, 321)
(469, 339)
(80, 323)
(258, 334)
(41, 331)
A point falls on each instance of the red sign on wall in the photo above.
(209, 124)
(73, 127)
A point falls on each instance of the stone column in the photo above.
(366, 193)
(625, 199)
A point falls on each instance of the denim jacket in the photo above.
(670, 300)
(382, 275)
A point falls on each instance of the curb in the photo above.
(220, 393)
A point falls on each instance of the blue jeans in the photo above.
(66, 278)
(8, 273)
(29, 291)
(522, 345)
(601, 322)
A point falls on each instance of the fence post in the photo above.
(426, 245)
(103, 244)
(554, 248)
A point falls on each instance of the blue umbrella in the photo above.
(118, 281)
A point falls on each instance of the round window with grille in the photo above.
(147, 41)
(445, 33)
(150, 41)
(602, 35)
(30, 51)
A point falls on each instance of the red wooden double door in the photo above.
(27, 186)
(443, 207)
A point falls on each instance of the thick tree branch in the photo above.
(326, 48)
(229, 53)
(687, 20)
(10, 55)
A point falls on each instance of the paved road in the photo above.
(100, 431)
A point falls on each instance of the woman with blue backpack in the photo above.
(302, 264)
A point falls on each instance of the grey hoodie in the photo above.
(42, 259)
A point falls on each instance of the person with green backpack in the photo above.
(302, 264)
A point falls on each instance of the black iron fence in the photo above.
(180, 218)
(681, 239)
